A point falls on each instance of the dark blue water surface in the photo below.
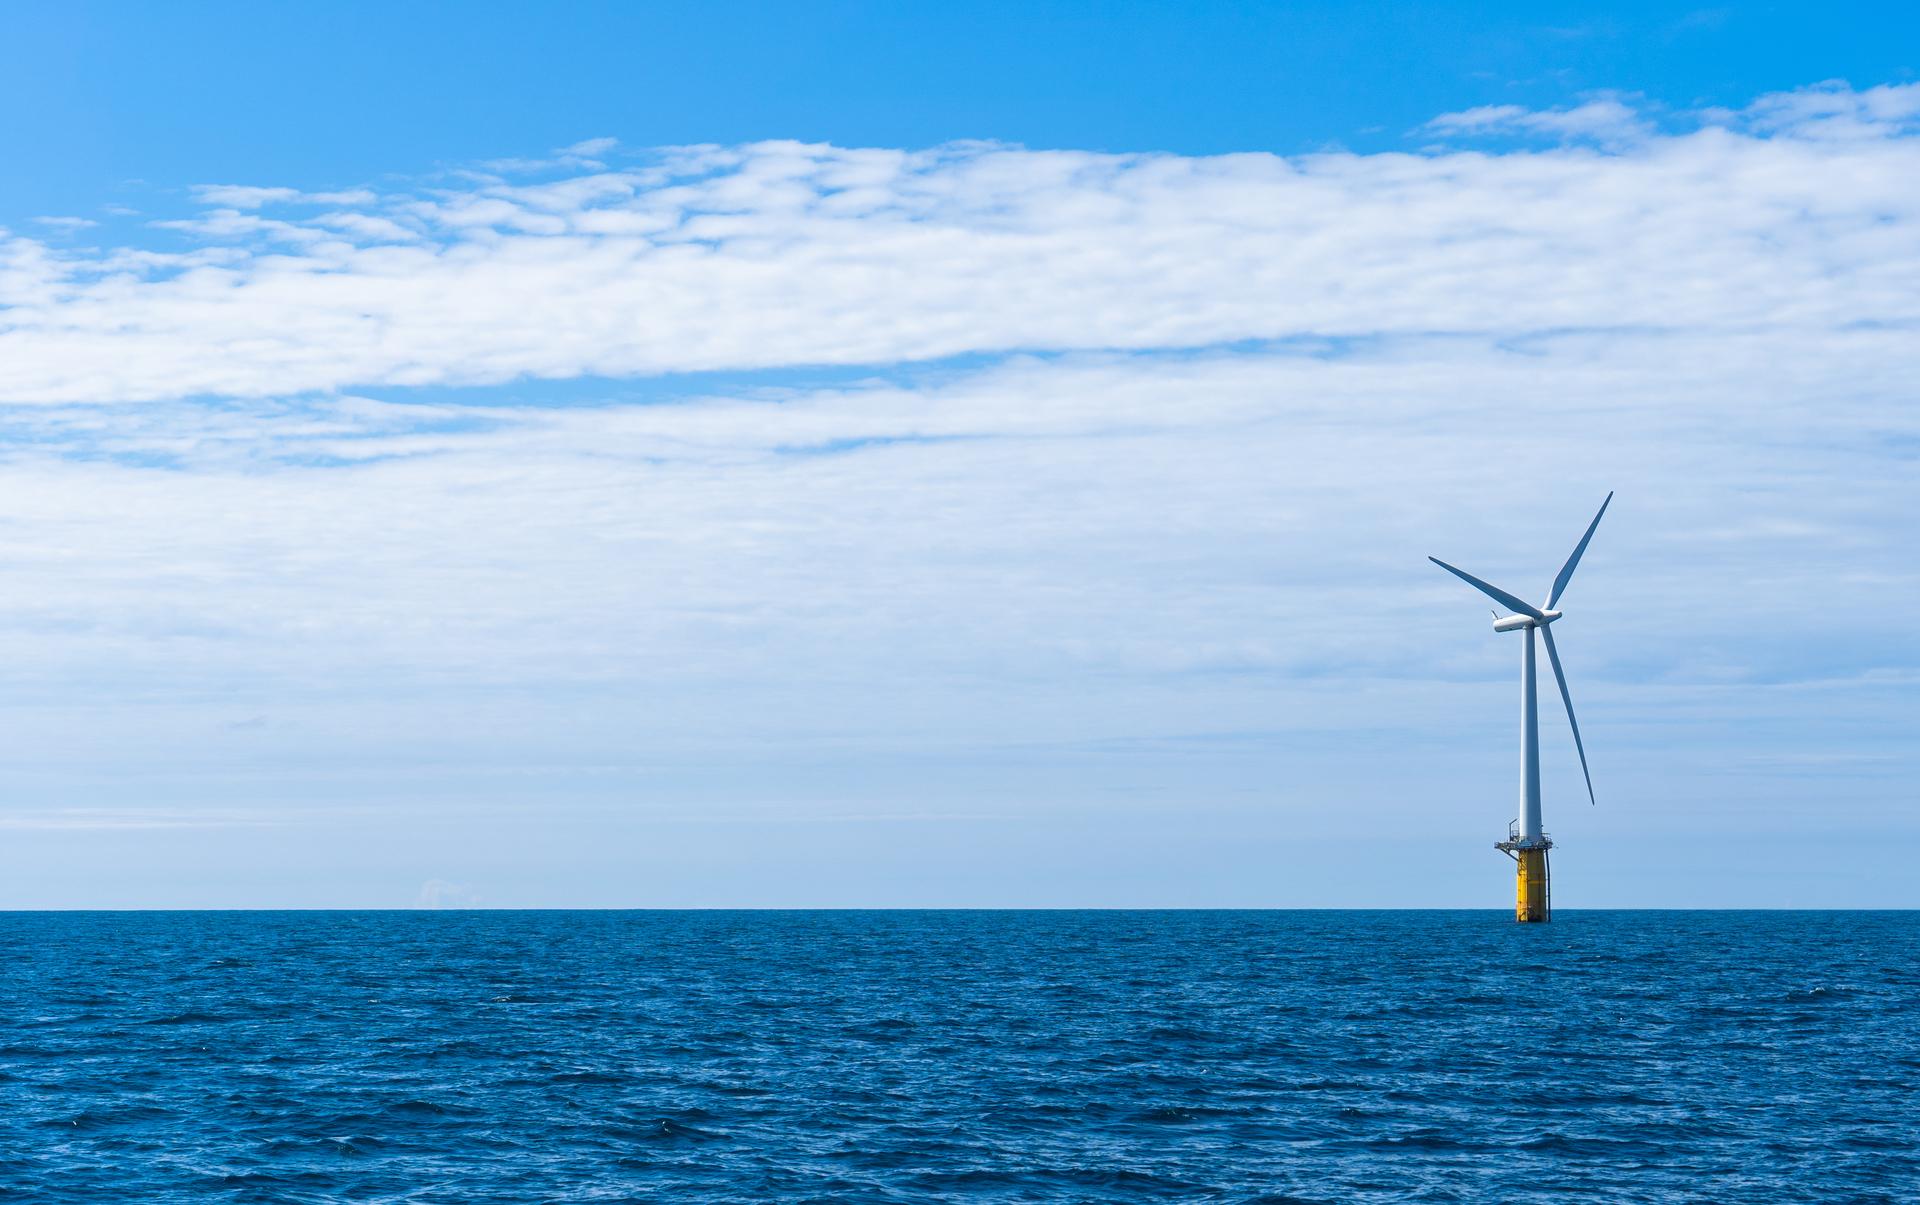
(964, 1056)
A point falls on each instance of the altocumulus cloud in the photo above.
(1207, 418)
(1798, 214)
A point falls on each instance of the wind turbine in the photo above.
(1527, 843)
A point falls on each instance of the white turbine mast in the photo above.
(1527, 842)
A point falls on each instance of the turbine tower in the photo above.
(1527, 843)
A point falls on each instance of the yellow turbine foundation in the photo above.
(1532, 902)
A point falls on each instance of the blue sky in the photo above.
(318, 97)
(880, 455)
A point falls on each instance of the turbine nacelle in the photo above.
(1514, 623)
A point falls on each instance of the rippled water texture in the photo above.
(975, 1056)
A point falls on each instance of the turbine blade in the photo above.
(1566, 570)
(1509, 601)
(1553, 656)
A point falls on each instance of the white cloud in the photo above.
(243, 196)
(1827, 111)
(1605, 120)
(587, 153)
(366, 228)
(1834, 111)
(784, 254)
(67, 223)
(246, 196)
(1481, 117)
(1130, 516)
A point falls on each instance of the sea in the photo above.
(977, 1056)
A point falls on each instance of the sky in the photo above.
(980, 455)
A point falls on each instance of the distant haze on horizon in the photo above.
(734, 484)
